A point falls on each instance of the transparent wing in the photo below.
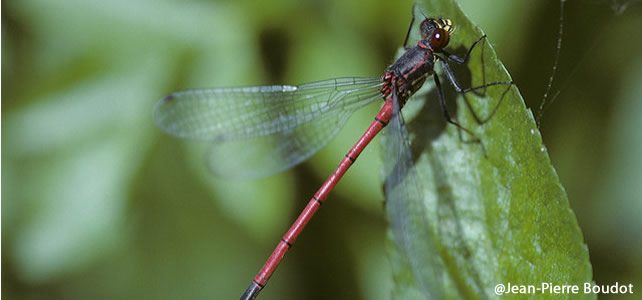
(265, 155)
(406, 208)
(257, 131)
(237, 113)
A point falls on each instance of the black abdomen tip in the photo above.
(252, 291)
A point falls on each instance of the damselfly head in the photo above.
(436, 32)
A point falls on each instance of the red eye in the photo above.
(439, 39)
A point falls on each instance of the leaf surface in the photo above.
(492, 212)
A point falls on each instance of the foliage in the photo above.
(496, 210)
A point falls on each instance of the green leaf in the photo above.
(491, 212)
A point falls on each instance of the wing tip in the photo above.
(168, 98)
(159, 111)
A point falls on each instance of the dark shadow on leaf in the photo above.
(428, 125)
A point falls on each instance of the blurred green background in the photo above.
(98, 204)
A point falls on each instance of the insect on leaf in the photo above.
(485, 212)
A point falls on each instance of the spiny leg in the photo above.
(482, 120)
(453, 81)
(451, 77)
(462, 60)
(449, 119)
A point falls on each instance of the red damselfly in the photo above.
(299, 120)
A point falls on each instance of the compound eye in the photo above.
(439, 39)
(426, 27)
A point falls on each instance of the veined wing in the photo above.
(234, 113)
(405, 207)
(257, 131)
